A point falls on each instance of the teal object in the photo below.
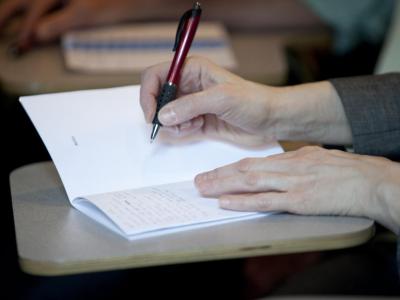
(354, 21)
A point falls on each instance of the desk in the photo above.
(53, 238)
(260, 58)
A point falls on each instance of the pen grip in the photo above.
(168, 93)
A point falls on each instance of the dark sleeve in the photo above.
(372, 106)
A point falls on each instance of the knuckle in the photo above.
(244, 165)
(252, 179)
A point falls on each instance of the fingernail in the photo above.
(167, 116)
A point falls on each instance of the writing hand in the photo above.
(211, 102)
(215, 103)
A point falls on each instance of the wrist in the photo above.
(310, 112)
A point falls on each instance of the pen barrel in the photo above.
(183, 48)
(168, 93)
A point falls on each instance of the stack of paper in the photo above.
(132, 48)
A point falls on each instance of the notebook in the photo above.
(134, 47)
(100, 145)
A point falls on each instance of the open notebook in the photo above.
(99, 143)
(134, 47)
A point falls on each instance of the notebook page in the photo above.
(99, 142)
(134, 47)
(169, 208)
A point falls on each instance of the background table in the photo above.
(53, 238)
(260, 56)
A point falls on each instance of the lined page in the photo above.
(162, 207)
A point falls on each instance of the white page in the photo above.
(171, 207)
(99, 142)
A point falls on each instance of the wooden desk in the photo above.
(53, 238)
(260, 58)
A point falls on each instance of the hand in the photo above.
(215, 103)
(211, 102)
(48, 19)
(310, 181)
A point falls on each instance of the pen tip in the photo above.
(154, 132)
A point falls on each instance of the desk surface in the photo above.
(260, 58)
(53, 238)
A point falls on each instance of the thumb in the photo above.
(54, 25)
(185, 108)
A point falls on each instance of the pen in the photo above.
(183, 40)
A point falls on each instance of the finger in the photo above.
(279, 163)
(54, 25)
(151, 82)
(36, 10)
(8, 9)
(251, 182)
(210, 101)
(153, 78)
(189, 128)
(262, 202)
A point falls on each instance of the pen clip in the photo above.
(181, 26)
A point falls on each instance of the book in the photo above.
(100, 145)
(133, 47)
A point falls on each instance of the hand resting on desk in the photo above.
(217, 104)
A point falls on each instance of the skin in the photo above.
(46, 20)
(214, 103)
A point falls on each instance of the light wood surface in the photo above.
(260, 58)
(53, 238)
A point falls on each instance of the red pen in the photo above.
(184, 37)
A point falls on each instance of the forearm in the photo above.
(310, 112)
